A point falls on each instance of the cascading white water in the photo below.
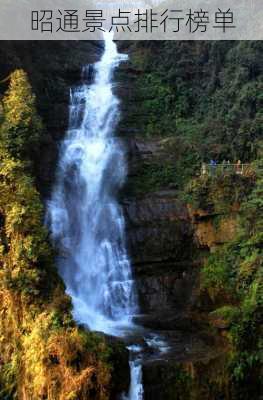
(136, 386)
(84, 216)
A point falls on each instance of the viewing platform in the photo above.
(227, 168)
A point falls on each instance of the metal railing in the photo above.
(227, 168)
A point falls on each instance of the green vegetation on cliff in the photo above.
(233, 278)
(42, 352)
(197, 101)
(203, 100)
(220, 193)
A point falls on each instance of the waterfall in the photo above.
(85, 219)
(136, 386)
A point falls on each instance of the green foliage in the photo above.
(227, 312)
(153, 177)
(23, 235)
(233, 277)
(207, 94)
(43, 353)
(21, 127)
(218, 193)
(218, 275)
(158, 105)
(180, 387)
(8, 379)
(175, 162)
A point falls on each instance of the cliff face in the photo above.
(160, 239)
(165, 88)
(168, 242)
(207, 234)
(181, 106)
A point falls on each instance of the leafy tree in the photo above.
(21, 128)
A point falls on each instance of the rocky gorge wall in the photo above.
(166, 238)
(160, 238)
(176, 219)
(168, 243)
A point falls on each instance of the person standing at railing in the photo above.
(213, 164)
(224, 165)
(239, 167)
(203, 169)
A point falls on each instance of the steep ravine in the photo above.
(167, 252)
(167, 239)
(160, 235)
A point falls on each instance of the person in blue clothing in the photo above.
(213, 164)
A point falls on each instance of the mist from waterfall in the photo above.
(85, 219)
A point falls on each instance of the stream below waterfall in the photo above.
(87, 223)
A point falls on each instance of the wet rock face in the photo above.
(160, 241)
(160, 233)
(159, 236)
(158, 228)
(166, 293)
(119, 360)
